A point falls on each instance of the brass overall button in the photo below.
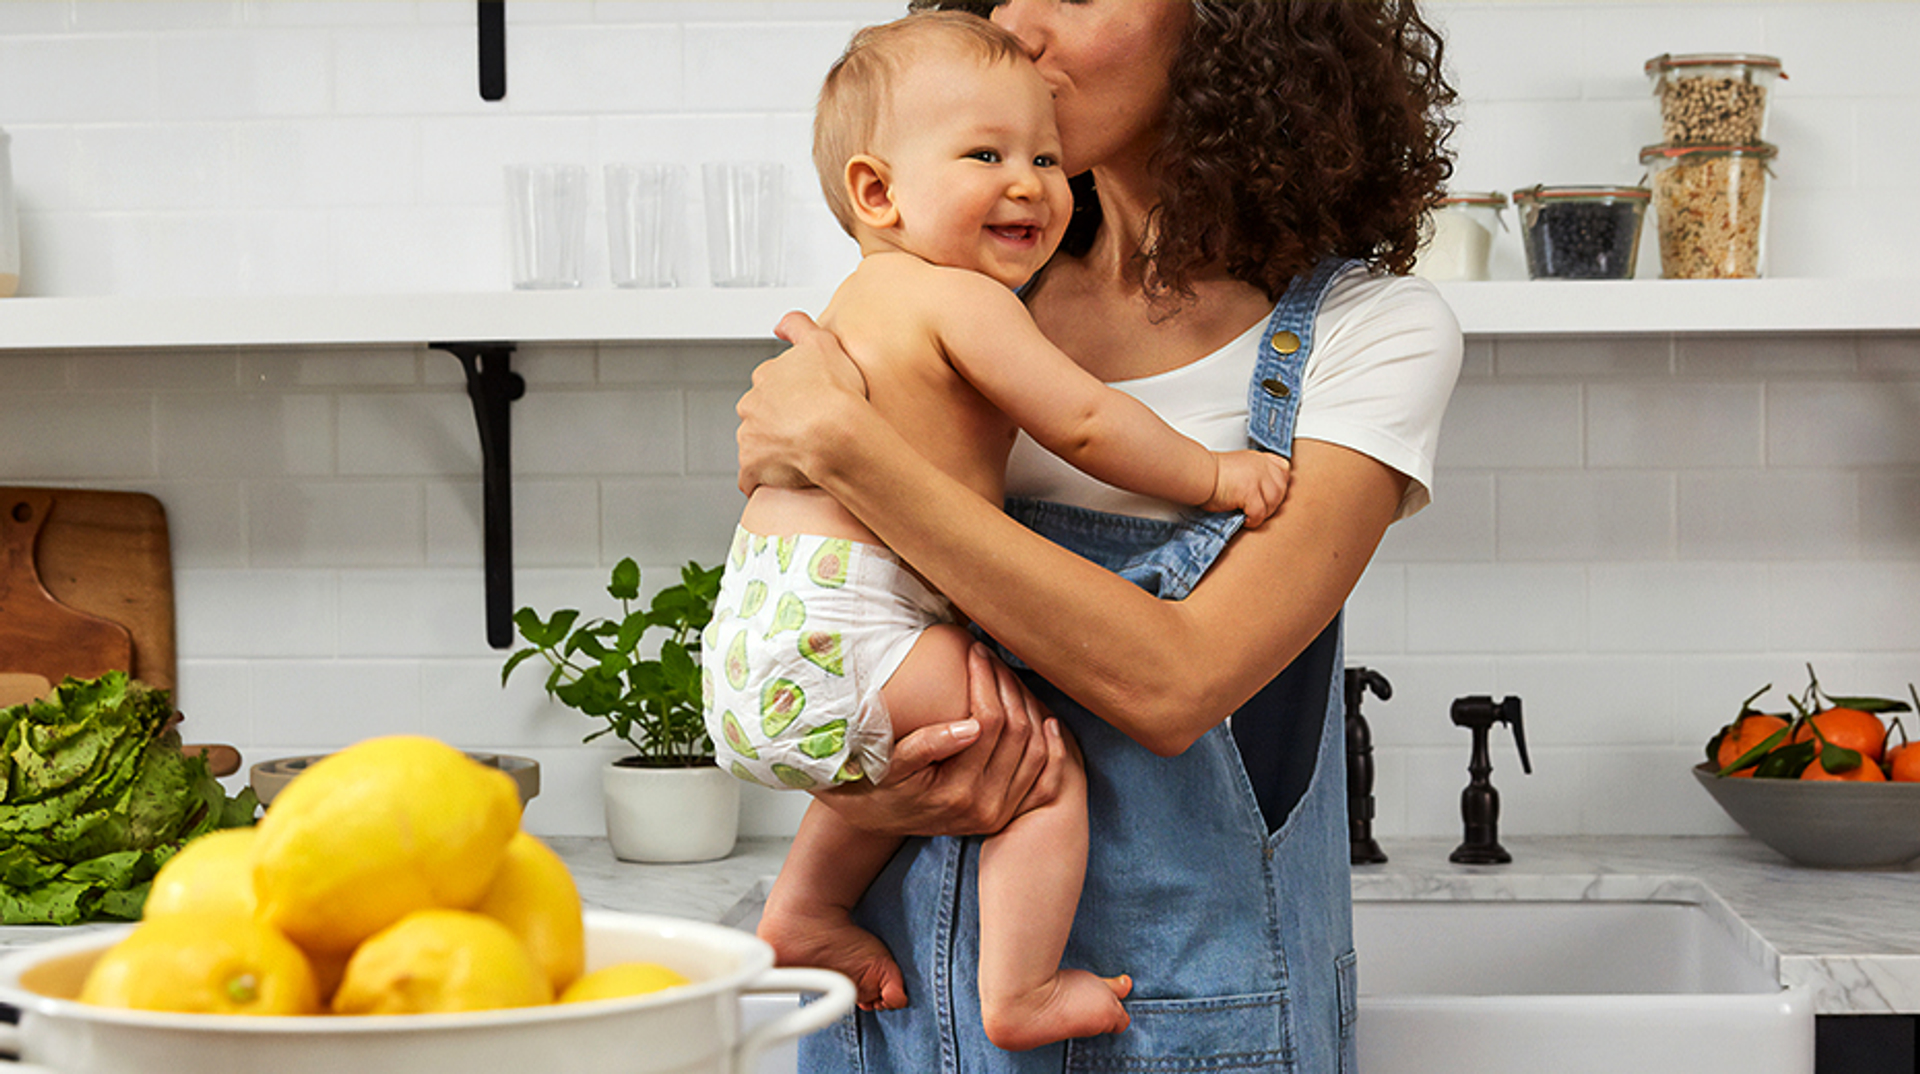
(1274, 388)
(1285, 343)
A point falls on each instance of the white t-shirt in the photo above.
(1385, 355)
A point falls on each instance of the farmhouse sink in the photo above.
(1675, 985)
(1651, 987)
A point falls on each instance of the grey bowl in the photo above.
(1827, 825)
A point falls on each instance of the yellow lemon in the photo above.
(435, 961)
(376, 831)
(534, 895)
(622, 979)
(206, 963)
(213, 873)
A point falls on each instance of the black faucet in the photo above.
(1480, 803)
(1360, 766)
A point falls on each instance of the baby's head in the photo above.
(934, 127)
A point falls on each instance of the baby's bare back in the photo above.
(885, 316)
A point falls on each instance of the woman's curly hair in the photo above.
(1296, 130)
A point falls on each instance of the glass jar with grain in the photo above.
(1709, 208)
(1713, 98)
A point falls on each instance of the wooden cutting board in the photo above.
(86, 586)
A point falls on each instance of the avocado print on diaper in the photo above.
(740, 772)
(828, 567)
(753, 599)
(781, 702)
(737, 739)
(783, 549)
(823, 649)
(737, 662)
(825, 741)
(793, 777)
(737, 555)
(789, 613)
(849, 772)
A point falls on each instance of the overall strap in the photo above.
(1273, 399)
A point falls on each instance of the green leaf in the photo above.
(1787, 762)
(515, 661)
(1838, 759)
(626, 581)
(1870, 704)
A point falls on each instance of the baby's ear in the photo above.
(869, 189)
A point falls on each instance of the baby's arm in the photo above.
(990, 338)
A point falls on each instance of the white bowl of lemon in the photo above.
(373, 923)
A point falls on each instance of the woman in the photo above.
(1254, 175)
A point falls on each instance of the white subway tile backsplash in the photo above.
(1523, 426)
(1649, 791)
(32, 66)
(420, 70)
(599, 431)
(1772, 515)
(1594, 701)
(711, 423)
(264, 435)
(465, 701)
(1573, 518)
(1750, 357)
(571, 69)
(669, 520)
(1843, 423)
(1589, 356)
(49, 436)
(1457, 526)
(1502, 609)
(257, 614)
(1674, 424)
(121, 16)
(1890, 514)
(426, 613)
(335, 524)
(1843, 607)
(1678, 608)
(760, 66)
(35, 17)
(323, 704)
(408, 433)
(215, 697)
(206, 522)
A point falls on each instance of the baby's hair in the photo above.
(857, 86)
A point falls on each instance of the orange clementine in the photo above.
(1851, 729)
(1747, 731)
(1903, 764)
(1867, 771)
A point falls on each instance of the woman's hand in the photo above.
(966, 778)
(797, 398)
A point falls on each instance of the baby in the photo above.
(936, 147)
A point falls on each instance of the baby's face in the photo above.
(975, 165)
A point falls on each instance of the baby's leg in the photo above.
(1030, 878)
(809, 914)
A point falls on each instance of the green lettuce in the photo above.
(97, 796)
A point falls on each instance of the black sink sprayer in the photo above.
(1480, 803)
(1360, 765)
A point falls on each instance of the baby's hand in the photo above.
(1251, 481)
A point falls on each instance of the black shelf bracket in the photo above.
(492, 385)
(493, 49)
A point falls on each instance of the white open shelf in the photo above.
(1492, 309)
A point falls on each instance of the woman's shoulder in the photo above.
(1363, 293)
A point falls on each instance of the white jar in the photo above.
(1459, 236)
(9, 224)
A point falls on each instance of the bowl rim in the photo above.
(1710, 776)
(756, 957)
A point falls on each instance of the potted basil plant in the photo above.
(666, 801)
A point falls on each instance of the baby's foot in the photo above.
(828, 938)
(1074, 1003)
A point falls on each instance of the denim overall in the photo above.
(1218, 879)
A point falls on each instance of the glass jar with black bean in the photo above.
(1581, 232)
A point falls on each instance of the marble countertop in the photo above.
(1851, 937)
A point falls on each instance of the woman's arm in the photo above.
(1162, 672)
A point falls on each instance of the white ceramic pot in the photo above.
(670, 814)
(695, 1029)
